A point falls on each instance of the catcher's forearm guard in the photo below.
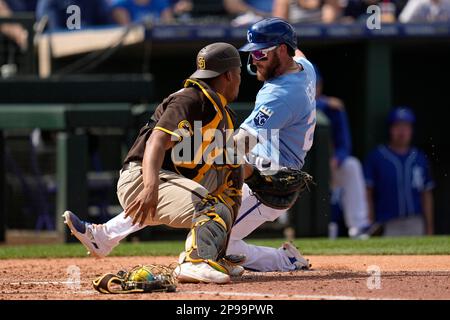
(281, 190)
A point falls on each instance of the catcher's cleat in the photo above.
(85, 233)
(229, 264)
(295, 257)
(232, 269)
(189, 272)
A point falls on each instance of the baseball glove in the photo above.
(140, 279)
(281, 190)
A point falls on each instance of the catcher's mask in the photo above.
(140, 279)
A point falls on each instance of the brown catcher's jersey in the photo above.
(188, 115)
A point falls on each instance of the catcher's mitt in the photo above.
(281, 190)
(140, 279)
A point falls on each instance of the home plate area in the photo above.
(331, 278)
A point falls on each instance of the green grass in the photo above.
(437, 245)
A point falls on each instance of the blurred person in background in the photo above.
(297, 11)
(22, 5)
(92, 12)
(424, 11)
(398, 180)
(14, 31)
(181, 8)
(346, 171)
(248, 11)
(200, 11)
(356, 10)
(127, 11)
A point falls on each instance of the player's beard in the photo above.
(269, 71)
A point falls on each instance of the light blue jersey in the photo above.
(284, 119)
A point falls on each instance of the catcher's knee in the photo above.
(208, 237)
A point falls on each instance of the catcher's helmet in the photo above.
(270, 32)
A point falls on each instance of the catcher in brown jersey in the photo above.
(193, 186)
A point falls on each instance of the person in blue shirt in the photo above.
(348, 188)
(127, 11)
(399, 182)
(282, 122)
(92, 12)
(277, 108)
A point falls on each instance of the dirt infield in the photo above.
(332, 277)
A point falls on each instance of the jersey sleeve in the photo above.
(179, 117)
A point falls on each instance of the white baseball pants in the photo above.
(252, 214)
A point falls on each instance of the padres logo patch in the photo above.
(262, 116)
(201, 63)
